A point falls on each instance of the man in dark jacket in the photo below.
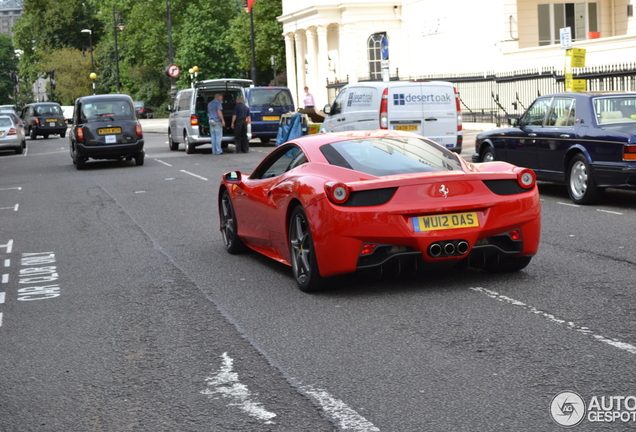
(240, 119)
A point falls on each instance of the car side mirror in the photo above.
(327, 109)
(233, 177)
(514, 121)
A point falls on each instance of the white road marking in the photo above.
(194, 175)
(609, 211)
(15, 207)
(0, 319)
(347, 418)
(11, 188)
(568, 204)
(7, 262)
(162, 162)
(5, 278)
(226, 383)
(9, 246)
(581, 329)
(2, 295)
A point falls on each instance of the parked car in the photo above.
(188, 122)
(144, 111)
(10, 136)
(390, 201)
(428, 108)
(105, 127)
(18, 121)
(585, 140)
(43, 119)
(267, 105)
(13, 108)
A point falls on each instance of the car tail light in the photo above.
(194, 120)
(629, 152)
(384, 109)
(138, 131)
(141, 110)
(12, 131)
(515, 235)
(37, 121)
(80, 134)
(526, 178)
(338, 193)
(368, 248)
(458, 107)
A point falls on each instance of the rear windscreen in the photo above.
(104, 110)
(270, 98)
(48, 110)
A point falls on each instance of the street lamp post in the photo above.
(93, 75)
(90, 43)
(116, 27)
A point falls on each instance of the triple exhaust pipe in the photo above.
(448, 248)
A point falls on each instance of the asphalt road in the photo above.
(121, 311)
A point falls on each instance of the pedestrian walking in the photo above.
(217, 123)
(240, 119)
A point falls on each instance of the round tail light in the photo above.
(337, 192)
(526, 178)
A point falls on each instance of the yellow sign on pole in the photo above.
(578, 57)
(579, 85)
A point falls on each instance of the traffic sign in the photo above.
(173, 71)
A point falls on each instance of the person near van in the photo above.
(240, 119)
(309, 99)
(217, 123)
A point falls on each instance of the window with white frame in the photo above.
(374, 50)
(582, 18)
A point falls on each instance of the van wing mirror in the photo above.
(327, 109)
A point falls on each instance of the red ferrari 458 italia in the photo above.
(336, 203)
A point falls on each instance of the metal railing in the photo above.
(492, 97)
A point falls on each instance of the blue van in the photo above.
(267, 104)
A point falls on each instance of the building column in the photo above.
(290, 63)
(301, 75)
(323, 66)
(312, 59)
(349, 56)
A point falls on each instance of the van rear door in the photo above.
(356, 108)
(426, 108)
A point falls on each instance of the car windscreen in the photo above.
(390, 156)
(113, 109)
(270, 98)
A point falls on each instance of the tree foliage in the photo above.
(8, 70)
(211, 34)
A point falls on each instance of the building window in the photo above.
(582, 18)
(375, 55)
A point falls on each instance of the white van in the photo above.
(429, 108)
(188, 122)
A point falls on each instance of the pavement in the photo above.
(160, 125)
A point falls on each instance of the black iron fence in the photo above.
(493, 97)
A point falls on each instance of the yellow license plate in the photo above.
(51, 120)
(266, 118)
(106, 131)
(445, 221)
(406, 127)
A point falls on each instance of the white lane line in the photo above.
(2, 295)
(347, 418)
(9, 245)
(15, 207)
(7, 262)
(0, 319)
(162, 162)
(11, 188)
(568, 204)
(194, 175)
(226, 383)
(5, 278)
(610, 212)
(569, 324)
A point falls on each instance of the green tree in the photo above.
(72, 74)
(8, 71)
(268, 38)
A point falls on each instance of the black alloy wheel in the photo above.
(231, 241)
(302, 253)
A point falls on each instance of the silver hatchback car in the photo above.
(11, 135)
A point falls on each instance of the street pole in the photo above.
(173, 84)
(253, 51)
(115, 28)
